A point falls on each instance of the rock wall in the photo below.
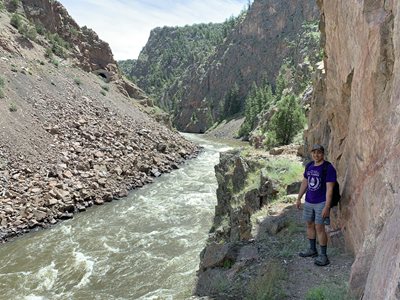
(254, 50)
(229, 247)
(355, 113)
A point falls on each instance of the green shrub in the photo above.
(23, 29)
(49, 53)
(1, 5)
(13, 107)
(40, 28)
(28, 31)
(103, 93)
(31, 33)
(1, 94)
(77, 81)
(58, 45)
(58, 50)
(16, 21)
(73, 32)
(55, 62)
(105, 87)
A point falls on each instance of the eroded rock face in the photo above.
(229, 246)
(356, 114)
(91, 52)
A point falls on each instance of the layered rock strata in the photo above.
(355, 113)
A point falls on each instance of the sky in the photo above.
(126, 25)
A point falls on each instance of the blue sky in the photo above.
(126, 25)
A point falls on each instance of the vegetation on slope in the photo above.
(275, 117)
(172, 51)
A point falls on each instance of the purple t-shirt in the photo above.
(316, 190)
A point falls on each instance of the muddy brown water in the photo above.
(143, 247)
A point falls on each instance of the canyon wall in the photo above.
(255, 50)
(356, 114)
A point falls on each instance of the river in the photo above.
(145, 246)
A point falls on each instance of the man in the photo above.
(319, 180)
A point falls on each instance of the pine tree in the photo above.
(287, 121)
(232, 101)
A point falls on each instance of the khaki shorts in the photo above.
(312, 212)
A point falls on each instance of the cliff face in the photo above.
(167, 55)
(254, 50)
(355, 112)
(91, 52)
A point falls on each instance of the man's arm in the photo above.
(329, 192)
(303, 188)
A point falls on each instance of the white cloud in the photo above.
(126, 25)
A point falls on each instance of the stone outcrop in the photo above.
(92, 53)
(229, 246)
(254, 50)
(355, 113)
(89, 52)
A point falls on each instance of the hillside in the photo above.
(73, 132)
(202, 74)
(254, 52)
(170, 53)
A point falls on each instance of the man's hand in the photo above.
(298, 203)
(326, 212)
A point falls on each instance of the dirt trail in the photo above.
(301, 274)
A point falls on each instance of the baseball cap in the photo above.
(317, 147)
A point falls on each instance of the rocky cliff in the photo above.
(169, 53)
(86, 49)
(69, 138)
(254, 51)
(355, 113)
(91, 52)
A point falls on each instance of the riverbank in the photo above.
(150, 239)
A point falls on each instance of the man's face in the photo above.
(317, 155)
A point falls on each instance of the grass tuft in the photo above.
(267, 286)
(13, 107)
(77, 81)
(329, 291)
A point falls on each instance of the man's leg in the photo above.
(321, 233)
(322, 259)
(309, 216)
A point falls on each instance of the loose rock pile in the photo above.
(96, 155)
